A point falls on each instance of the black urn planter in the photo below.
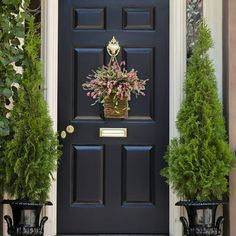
(26, 218)
(201, 218)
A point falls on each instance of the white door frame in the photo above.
(177, 72)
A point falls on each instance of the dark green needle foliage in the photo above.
(200, 160)
(31, 155)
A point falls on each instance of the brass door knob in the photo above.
(70, 129)
(63, 134)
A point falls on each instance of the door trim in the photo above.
(177, 72)
(177, 65)
(50, 58)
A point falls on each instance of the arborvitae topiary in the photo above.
(200, 160)
(31, 156)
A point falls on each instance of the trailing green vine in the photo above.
(11, 55)
(12, 33)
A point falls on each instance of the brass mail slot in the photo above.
(113, 132)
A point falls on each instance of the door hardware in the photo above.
(70, 129)
(113, 48)
(113, 132)
(63, 134)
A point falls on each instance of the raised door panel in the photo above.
(144, 61)
(88, 175)
(138, 182)
(84, 60)
(89, 18)
(138, 18)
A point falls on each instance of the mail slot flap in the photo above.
(113, 132)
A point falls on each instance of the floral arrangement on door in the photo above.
(113, 85)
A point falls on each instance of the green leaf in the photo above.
(7, 92)
(4, 127)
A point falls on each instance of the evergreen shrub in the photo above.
(199, 160)
(31, 155)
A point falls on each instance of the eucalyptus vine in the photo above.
(11, 30)
(13, 14)
(194, 16)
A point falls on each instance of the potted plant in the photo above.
(199, 161)
(112, 85)
(30, 157)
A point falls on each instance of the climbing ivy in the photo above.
(12, 32)
(11, 54)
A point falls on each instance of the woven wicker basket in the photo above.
(118, 111)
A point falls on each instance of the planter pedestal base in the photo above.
(201, 218)
(25, 230)
(25, 220)
(201, 230)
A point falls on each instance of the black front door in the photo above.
(113, 185)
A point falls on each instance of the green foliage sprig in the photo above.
(200, 160)
(12, 29)
(31, 155)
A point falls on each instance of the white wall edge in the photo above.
(177, 73)
(213, 13)
(50, 59)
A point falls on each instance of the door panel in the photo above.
(138, 182)
(95, 57)
(143, 59)
(88, 175)
(113, 185)
(89, 18)
(138, 18)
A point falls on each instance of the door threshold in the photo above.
(112, 235)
